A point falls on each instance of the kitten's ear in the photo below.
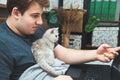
(57, 28)
(52, 31)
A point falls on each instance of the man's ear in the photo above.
(16, 13)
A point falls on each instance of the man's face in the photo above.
(30, 20)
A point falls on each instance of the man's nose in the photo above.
(39, 21)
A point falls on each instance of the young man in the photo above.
(21, 29)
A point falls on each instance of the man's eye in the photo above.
(35, 16)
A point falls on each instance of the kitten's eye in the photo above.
(55, 35)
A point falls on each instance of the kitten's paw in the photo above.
(59, 73)
(50, 62)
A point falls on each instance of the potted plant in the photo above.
(69, 19)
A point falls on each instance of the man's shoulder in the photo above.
(3, 24)
(3, 29)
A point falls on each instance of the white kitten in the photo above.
(42, 50)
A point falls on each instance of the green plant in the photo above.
(92, 23)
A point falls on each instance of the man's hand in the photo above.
(63, 77)
(105, 53)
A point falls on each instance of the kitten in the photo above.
(42, 50)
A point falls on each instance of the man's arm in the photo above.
(5, 70)
(5, 63)
(71, 56)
